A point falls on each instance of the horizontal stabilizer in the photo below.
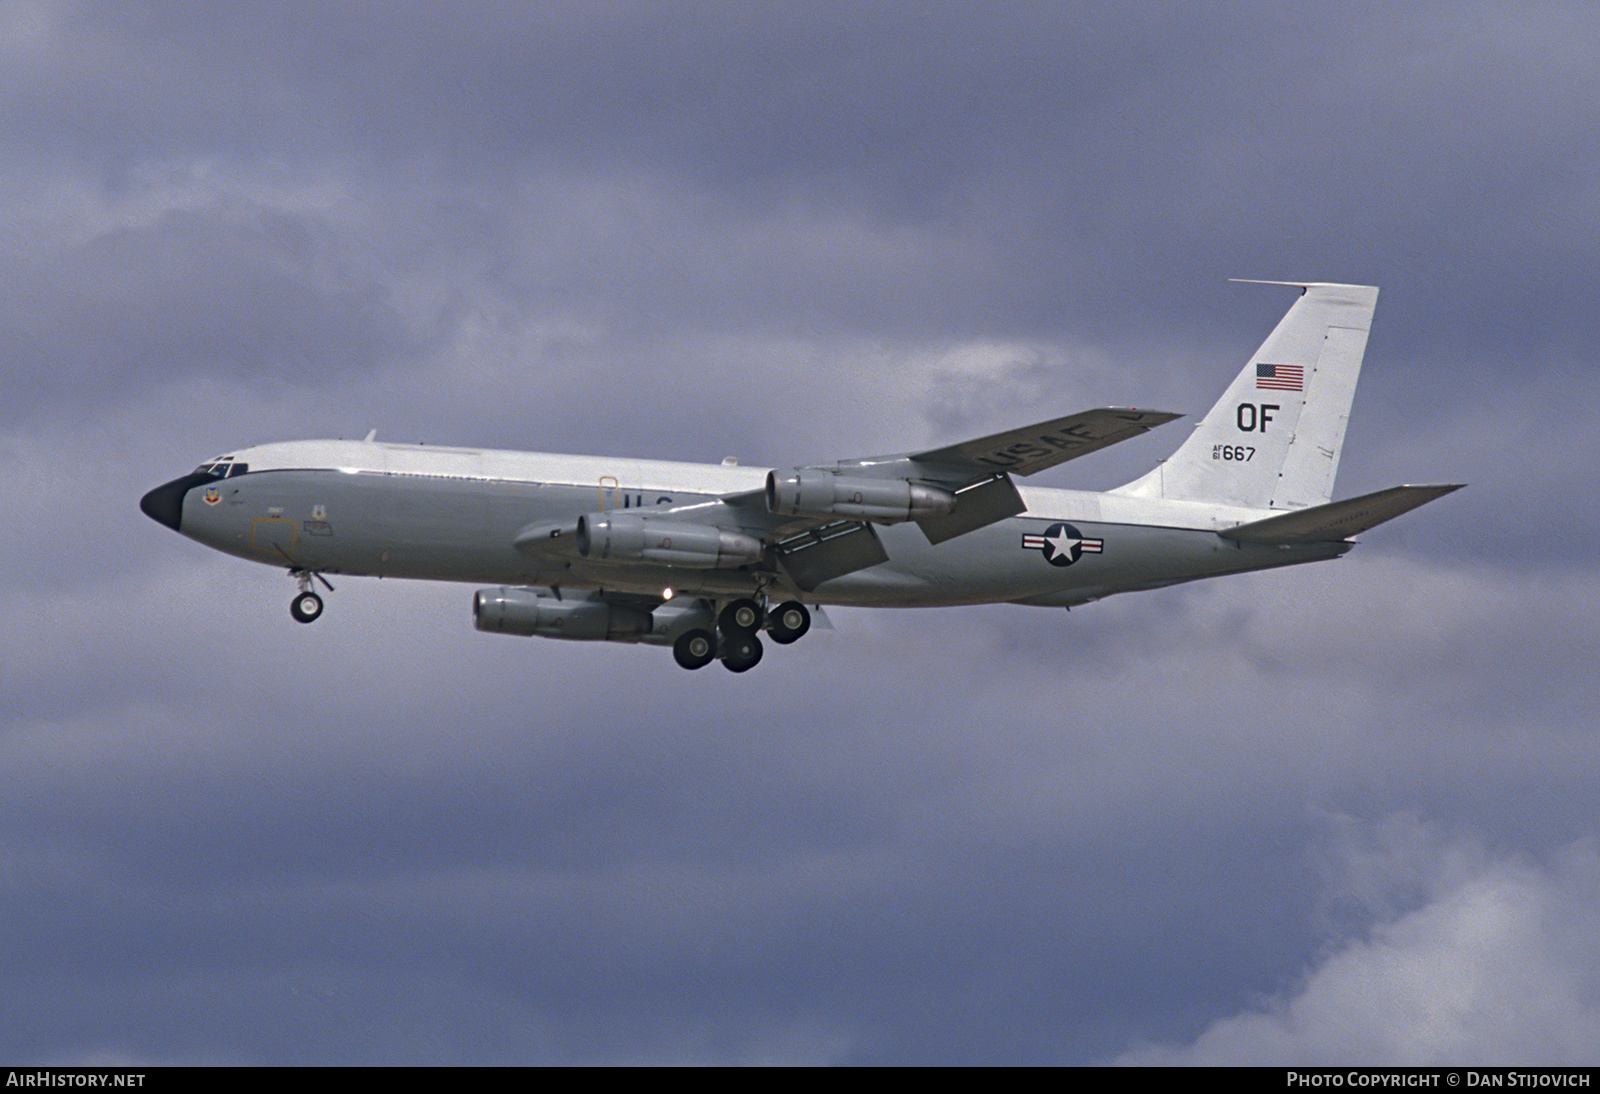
(1339, 519)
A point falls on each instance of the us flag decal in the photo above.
(1281, 377)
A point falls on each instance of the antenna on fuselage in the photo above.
(371, 436)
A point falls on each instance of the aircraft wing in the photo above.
(947, 491)
(1036, 447)
(979, 471)
(817, 522)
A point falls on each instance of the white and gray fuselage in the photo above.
(453, 514)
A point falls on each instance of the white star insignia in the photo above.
(1062, 543)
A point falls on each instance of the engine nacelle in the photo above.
(526, 612)
(811, 491)
(634, 538)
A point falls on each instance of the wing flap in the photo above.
(830, 551)
(1339, 519)
(977, 506)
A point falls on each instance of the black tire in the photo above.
(742, 616)
(741, 652)
(695, 649)
(787, 622)
(306, 607)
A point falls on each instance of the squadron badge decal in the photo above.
(1062, 545)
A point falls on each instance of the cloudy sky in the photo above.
(1345, 813)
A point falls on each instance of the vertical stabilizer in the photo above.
(1273, 440)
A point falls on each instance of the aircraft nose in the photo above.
(164, 504)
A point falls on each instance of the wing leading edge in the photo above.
(1034, 448)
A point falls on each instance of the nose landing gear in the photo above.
(307, 605)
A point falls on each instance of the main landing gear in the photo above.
(695, 649)
(735, 641)
(307, 605)
(788, 622)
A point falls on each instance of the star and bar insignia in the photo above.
(1062, 545)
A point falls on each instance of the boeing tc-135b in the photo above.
(705, 558)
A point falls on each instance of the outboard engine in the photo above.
(530, 612)
(813, 491)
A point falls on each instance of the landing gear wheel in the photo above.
(787, 622)
(694, 649)
(305, 607)
(740, 652)
(743, 616)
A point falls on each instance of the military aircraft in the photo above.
(704, 558)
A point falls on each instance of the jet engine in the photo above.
(630, 537)
(812, 491)
(527, 612)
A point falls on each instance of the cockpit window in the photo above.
(222, 469)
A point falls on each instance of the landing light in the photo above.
(666, 594)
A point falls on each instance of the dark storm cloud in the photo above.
(190, 294)
(1100, 159)
(286, 835)
(1078, 166)
(663, 846)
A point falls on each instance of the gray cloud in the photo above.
(191, 294)
(1495, 964)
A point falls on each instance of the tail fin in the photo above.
(1273, 440)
